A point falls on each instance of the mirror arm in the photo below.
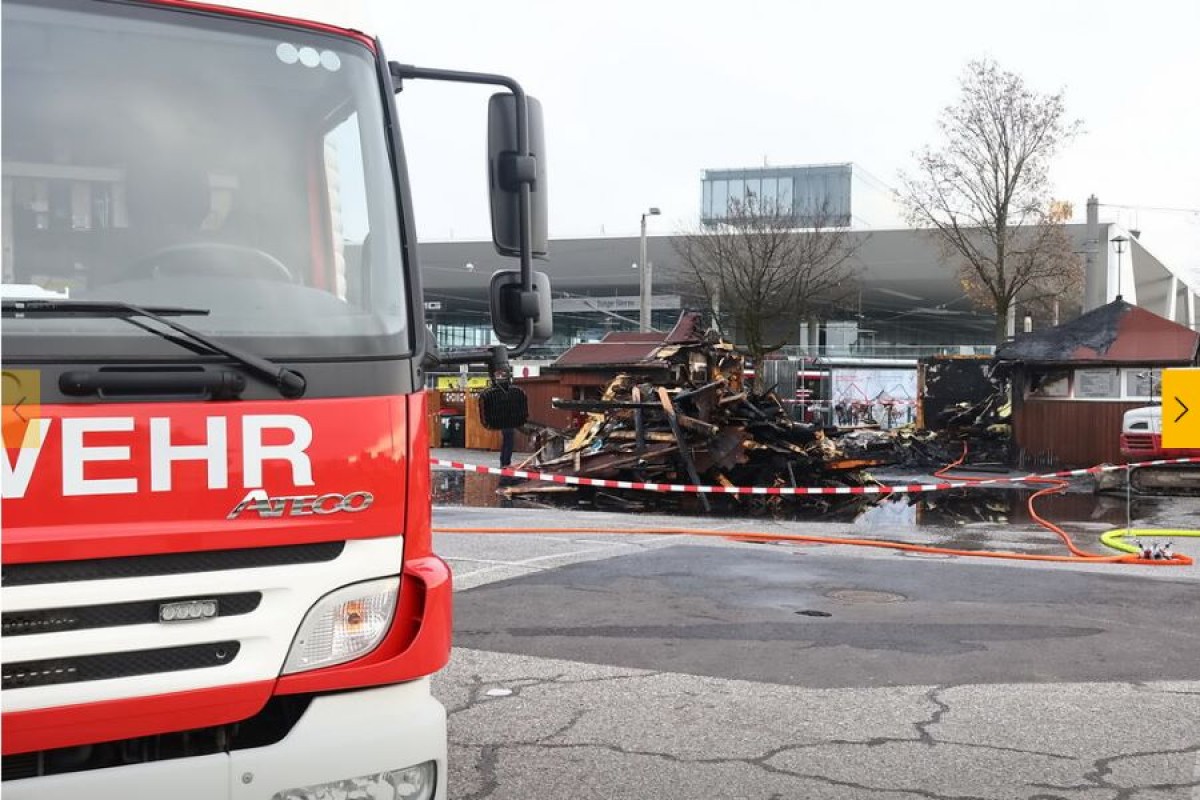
(496, 356)
(526, 340)
(466, 357)
(399, 73)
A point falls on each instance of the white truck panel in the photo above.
(340, 736)
(265, 634)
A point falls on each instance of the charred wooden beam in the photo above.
(684, 455)
(600, 406)
(647, 436)
(538, 488)
(691, 423)
(754, 410)
(708, 387)
(638, 424)
(600, 463)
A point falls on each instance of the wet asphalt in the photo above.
(749, 614)
(590, 665)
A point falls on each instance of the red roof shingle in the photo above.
(630, 348)
(608, 354)
(1117, 333)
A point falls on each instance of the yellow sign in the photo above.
(22, 392)
(452, 382)
(1181, 408)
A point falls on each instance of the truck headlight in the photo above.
(410, 783)
(343, 625)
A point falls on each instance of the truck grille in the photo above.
(265, 728)
(168, 564)
(141, 612)
(132, 628)
(27, 674)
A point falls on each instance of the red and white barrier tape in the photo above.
(576, 480)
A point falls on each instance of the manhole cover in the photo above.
(864, 596)
(809, 612)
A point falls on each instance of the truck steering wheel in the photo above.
(215, 258)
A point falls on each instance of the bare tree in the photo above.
(763, 268)
(984, 192)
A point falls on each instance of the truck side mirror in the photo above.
(507, 170)
(511, 307)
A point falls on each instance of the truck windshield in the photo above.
(172, 158)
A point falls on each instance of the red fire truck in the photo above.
(218, 574)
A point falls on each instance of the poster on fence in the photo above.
(881, 396)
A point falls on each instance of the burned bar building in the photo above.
(1072, 384)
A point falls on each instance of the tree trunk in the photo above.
(1001, 322)
(757, 383)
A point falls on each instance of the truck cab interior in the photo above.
(238, 168)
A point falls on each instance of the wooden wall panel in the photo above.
(479, 437)
(541, 391)
(433, 402)
(1069, 433)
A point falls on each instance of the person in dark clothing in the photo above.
(507, 438)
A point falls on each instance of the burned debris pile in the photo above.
(687, 415)
(681, 410)
(980, 430)
(702, 425)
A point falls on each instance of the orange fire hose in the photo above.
(1053, 486)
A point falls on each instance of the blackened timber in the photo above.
(708, 387)
(755, 410)
(605, 463)
(638, 424)
(600, 406)
(694, 424)
(651, 436)
(665, 398)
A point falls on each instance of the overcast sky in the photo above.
(640, 97)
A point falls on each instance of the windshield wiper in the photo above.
(95, 308)
(290, 383)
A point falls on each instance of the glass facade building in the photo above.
(820, 195)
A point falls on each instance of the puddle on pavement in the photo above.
(984, 508)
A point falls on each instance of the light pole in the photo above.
(646, 279)
(1119, 241)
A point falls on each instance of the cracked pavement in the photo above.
(584, 730)
(640, 667)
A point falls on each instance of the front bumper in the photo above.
(340, 736)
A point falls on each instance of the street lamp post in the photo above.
(646, 279)
(1119, 241)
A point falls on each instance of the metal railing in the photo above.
(550, 351)
(887, 350)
